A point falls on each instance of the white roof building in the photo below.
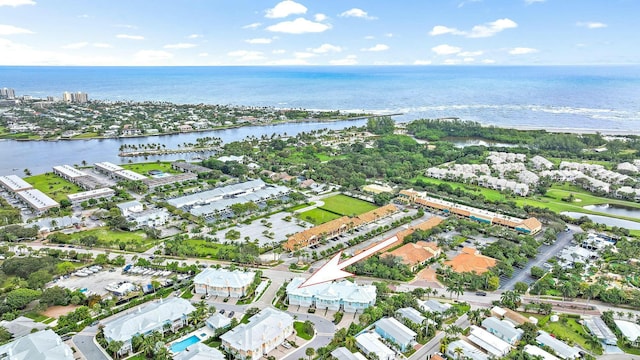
(344, 295)
(563, 350)
(68, 172)
(264, 332)
(218, 321)
(50, 224)
(129, 207)
(222, 279)
(199, 351)
(129, 175)
(370, 342)
(541, 163)
(342, 353)
(108, 167)
(37, 200)
(599, 329)
(391, 329)
(147, 318)
(412, 315)
(14, 183)
(468, 351)
(630, 330)
(41, 345)
(216, 194)
(502, 329)
(536, 351)
(489, 342)
(239, 159)
(21, 326)
(433, 306)
(91, 194)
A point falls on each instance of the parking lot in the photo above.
(97, 282)
(279, 228)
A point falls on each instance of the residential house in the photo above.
(509, 315)
(369, 343)
(218, 321)
(411, 314)
(536, 351)
(561, 349)
(599, 329)
(466, 350)
(199, 351)
(396, 332)
(433, 306)
(342, 353)
(40, 345)
(21, 326)
(489, 342)
(630, 330)
(503, 329)
(264, 332)
(223, 282)
(130, 207)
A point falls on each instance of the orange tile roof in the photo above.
(470, 261)
(402, 234)
(532, 223)
(302, 238)
(414, 253)
(378, 213)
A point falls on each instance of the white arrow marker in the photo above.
(332, 270)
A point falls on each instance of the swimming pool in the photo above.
(183, 344)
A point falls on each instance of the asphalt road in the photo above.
(84, 341)
(545, 253)
(433, 345)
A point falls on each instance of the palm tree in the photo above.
(148, 346)
(458, 351)
(475, 316)
(350, 342)
(114, 347)
(310, 352)
(510, 299)
(162, 353)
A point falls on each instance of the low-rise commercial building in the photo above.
(369, 343)
(41, 345)
(222, 282)
(396, 332)
(470, 260)
(147, 319)
(265, 330)
(343, 295)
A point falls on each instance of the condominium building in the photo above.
(264, 332)
(343, 295)
(41, 345)
(222, 282)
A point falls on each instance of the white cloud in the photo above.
(16, 3)
(492, 28)
(259, 41)
(470, 53)
(488, 61)
(325, 48)
(479, 31)
(130, 37)
(20, 54)
(451, 62)
(463, 3)
(522, 51)
(203, 54)
(299, 26)
(349, 60)
(180, 46)
(422, 62)
(304, 55)
(125, 26)
(468, 59)
(377, 47)
(194, 36)
(592, 25)
(286, 8)
(320, 17)
(252, 26)
(246, 55)
(84, 16)
(13, 30)
(289, 62)
(102, 45)
(369, 37)
(359, 13)
(445, 49)
(388, 35)
(441, 30)
(279, 51)
(78, 45)
(151, 56)
(529, 2)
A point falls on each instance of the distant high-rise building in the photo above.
(67, 96)
(50, 98)
(80, 97)
(7, 93)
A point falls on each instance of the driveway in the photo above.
(84, 341)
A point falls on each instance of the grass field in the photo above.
(54, 186)
(135, 241)
(489, 194)
(298, 207)
(89, 135)
(144, 168)
(318, 216)
(570, 330)
(300, 330)
(346, 205)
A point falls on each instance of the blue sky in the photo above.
(318, 32)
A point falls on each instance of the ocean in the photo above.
(552, 97)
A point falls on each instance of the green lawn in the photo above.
(89, 135)
(346, 205)
(144, 168)
(298, 207)
(325, 157)
(318, 216)
(300, 330)
(489, 194)
(36, 317)
(54, 186)
(571, 330)
(135, 240)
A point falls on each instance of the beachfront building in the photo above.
(336, 227)
(342, 295)
(41, 345)
(146, 319)
(264, 332)
(466, 350)
(369, 343)
(77, 177)
(470, 260)
(561, 349)
(503, 329)
(103, 193)
(199, 351)
(489, 342)
(396, 332)
(529, 226)
(223, 282)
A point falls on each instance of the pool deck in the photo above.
(203, 334)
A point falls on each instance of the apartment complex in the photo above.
(342, 295)
(222, 282)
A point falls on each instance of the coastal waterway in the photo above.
(41, 156)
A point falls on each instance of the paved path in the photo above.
(84, 341)
(433, 345)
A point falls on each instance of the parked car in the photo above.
(221, 311)
(231, 313)
(481, 293)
